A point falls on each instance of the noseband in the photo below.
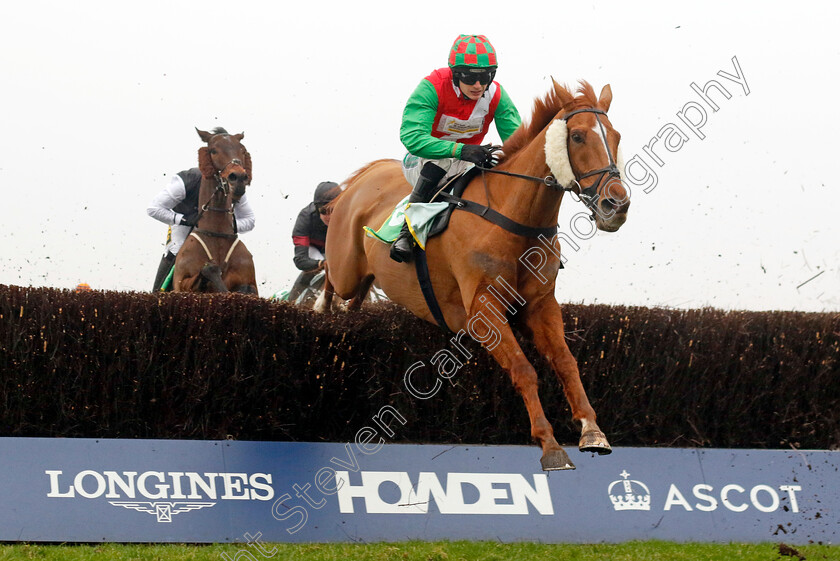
(588, 195)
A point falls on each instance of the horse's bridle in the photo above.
(222, 186)
(222, 181)
(588, 195)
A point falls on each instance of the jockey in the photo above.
(310, 235)
(177, 206)
(445, 120)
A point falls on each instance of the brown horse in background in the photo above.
(212, 258)
(486, 278)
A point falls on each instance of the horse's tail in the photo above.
(348, 183)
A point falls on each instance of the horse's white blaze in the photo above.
(619, 162)
(557, 154)
(597, 130)
(619, 158)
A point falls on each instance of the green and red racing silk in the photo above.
(438, 119)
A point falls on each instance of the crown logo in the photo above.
(630, 494)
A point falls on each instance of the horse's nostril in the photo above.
(609, 204)
(237, 177)
(619, 207)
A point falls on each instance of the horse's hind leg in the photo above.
(545, 321)
(357, 300)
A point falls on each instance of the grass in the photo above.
(426, 551)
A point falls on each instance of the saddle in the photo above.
(441, 221)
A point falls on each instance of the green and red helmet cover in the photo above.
(472, 51)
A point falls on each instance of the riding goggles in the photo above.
(483, 77)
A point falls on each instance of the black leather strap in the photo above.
(584, 110)
(214, 234)
(498, 219)
(422, 268)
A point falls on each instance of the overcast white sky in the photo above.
(100, 101)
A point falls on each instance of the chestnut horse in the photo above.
(212, 258)
(485, 276)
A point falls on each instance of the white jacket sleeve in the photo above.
(161, 206)
(244, 214)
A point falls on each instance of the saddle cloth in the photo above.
(424, 220)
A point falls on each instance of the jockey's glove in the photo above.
(189, 219)
(484, 156)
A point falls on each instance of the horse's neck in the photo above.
(527, 201)
(209, 196)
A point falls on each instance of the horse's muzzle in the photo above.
(613, 223)
(238, 178)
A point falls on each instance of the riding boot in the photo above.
(166, 263)
(402, 250)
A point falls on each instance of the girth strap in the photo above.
(498, 219)
(425, 281)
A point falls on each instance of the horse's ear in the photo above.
(205, 163)
(247, 165)
(605, 98)
(562, 93)
(205, 136)
(238, 137)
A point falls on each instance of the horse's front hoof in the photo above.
(594, 441)
(556, 459)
